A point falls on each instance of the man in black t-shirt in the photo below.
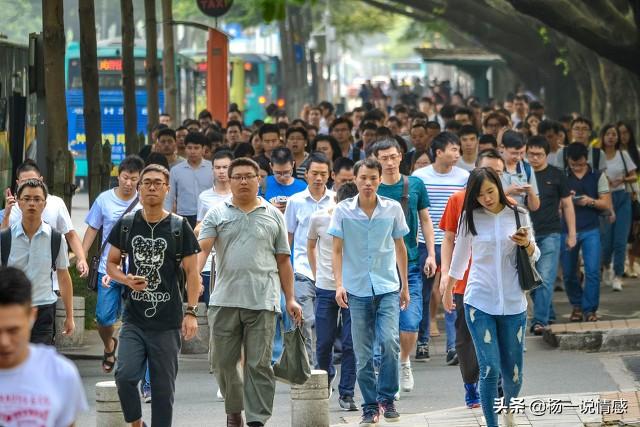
(155, 243)
(554, 194)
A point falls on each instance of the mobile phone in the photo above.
(576, 198)
(139, 278)
(281, 199)
(523, 230)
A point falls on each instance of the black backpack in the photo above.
(5, 247)
(176, 232)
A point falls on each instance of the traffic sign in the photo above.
(214, 8)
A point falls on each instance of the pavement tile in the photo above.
(558, 328)
(633, 323)
(572, 327)
(619, 324)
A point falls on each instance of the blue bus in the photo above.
(109, 55)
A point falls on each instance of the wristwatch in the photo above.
(592, 204)
(192, 310)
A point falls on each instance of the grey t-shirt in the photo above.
(246, 246)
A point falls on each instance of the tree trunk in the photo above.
(90, 94)
(151, 67)
(168, 62)
(129, 78)
(59, 161)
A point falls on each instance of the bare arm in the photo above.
(290, 237)
(401, 261)
(190, 266)
(285, 271)
(336, 261)
(76, 247)
(427, 232)
(89, 236)
(311, 255)
(533, 201)
(446, 251)
(205, 245)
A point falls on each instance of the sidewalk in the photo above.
(561, 410)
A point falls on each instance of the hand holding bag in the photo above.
(293, 366)
(528, 276)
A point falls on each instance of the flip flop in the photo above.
(107, 365)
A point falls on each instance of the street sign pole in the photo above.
(218, 75)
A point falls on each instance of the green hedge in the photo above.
(90, 298)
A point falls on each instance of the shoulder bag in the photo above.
(528, 276)
(635, 204)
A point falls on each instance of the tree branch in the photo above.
(398, 10)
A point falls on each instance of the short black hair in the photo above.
(28, 165)
(268, 128)
(385, 144)
(490, 153)
(236, 123)
(581, 120)
(243, 161)
(320, 158)
(369, 164)
(15, 287)
(196, 138)
(281, 156)
(166, 132)
(32, 183)
(536, 105)
(213, 137)
(244, 149)
(335, 146)
(326, 104)
(159, 127)
(453, 126)
(204, 114)
(341, 120)
(577, 151)
(346, 191)
(179, 128)
(539, 141)
(342, 163)
(513, 139)
(399, 108)
(297, 129)
(546, 125)
(395, 120)
(369, 125)
(468, 130)
(465, 110)
(157, 159)
(223, 154)
(131, 163)
(487, 138)
(441, 141)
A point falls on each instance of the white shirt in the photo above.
(318, 226)
(464, 165)
(206, 200)
(616, 170)
(55, 214)
(107, 209)
(297, 215)
(45, 390)
(493, 285)
(33, 257)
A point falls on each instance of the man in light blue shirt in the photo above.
(368, 244)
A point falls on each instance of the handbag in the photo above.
(92, 280)
(293, 366)
(528, 276)
(635, 204)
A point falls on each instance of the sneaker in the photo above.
(389, 412)
(370, 417)
(406, 377)
(616, 284)
(146, 392)
(219, 395)
(471, 395)
(607, 276)
(452, 357)
(422, 353)
(347, 403)
(508, 419)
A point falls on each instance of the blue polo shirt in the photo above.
(368, 251)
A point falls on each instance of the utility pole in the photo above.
(128, 78)
(168, 62)
(151, 67)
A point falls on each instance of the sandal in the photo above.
(538, 329)
(107, 365)
(576, 315)
(591, 317)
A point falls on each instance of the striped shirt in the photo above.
(439, 188)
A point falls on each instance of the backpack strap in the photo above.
(526, 167)
(5, 246)
(176, 232)
(595, 156)
(404, 199)
(125, 232)
(56, 242)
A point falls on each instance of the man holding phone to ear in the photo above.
(153, 317)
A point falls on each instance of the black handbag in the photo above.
(528, 276)
(92, 279)
(635, 204)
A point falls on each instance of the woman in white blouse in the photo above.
(495, 305)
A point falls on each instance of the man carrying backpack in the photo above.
(32, 246)
(518, 179)
(155, 244)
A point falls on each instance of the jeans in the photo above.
(328, 313)
(411, 317)
(109, 305)
(162, 348)
(376, 318)
(206, 281)
(587, 299)
(277, 338)
(427, 286)
(614, 236)
(499, 342)
(305, 293)
(547, 266)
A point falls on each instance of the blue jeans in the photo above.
(547, 266)
(109, 305)
(587, 299)
(411, 317)
(375, 319)
(282, 318)
(327, 312)
(206, 281)
(499, 342)
(614, 236)
(427, 286)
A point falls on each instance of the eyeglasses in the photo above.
(152, 184)
(536, 155)
(389, 157)
(283, 174)
(243, 177)
(36, 200)
(580, 129)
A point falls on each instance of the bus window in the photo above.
(251, 74)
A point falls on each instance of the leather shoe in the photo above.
(235, 420)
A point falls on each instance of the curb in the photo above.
(612, 340)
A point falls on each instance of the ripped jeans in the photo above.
(499, 342)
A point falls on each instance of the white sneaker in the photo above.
(607, 276)
(508, 419)
(406, 377)
(219, 395)
(616, 285)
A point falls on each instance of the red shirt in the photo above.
(449, 222)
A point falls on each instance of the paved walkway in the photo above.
(561, 410)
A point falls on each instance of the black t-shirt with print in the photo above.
(153, 255)
(552, 186)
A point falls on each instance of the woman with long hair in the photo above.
(494, 304)
(621, 172)
(628, 142)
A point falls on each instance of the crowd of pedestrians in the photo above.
(354, 228)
